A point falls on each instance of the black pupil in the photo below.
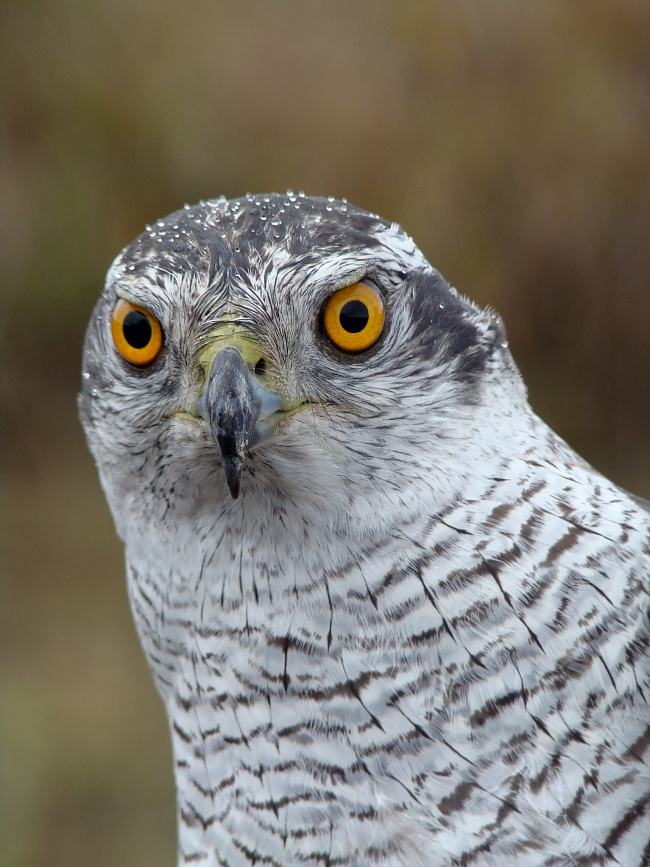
(354, 316)
(137, 329)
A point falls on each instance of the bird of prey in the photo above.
(394, 619)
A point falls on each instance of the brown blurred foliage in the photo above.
(512, 140)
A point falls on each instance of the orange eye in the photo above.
(136, 333)
(353, 317)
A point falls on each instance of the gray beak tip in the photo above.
(233, 470)
(231, 413)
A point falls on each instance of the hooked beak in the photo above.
(229, 406)
(239, 406)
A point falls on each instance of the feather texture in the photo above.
(420, 635)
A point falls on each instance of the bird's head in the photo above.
(284, 350)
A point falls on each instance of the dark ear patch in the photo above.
(444, 326)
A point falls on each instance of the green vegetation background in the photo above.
(511, 139)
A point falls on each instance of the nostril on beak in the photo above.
(260, 367)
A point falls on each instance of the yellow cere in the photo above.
(234, 335)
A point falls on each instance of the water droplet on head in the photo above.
(85, 375)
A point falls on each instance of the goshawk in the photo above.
(394, 619)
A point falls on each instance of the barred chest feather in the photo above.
(456, 692)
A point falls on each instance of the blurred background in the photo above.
(511, 139)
